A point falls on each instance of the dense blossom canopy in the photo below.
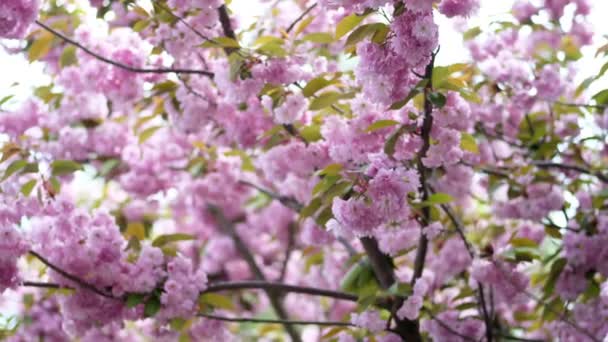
(315, 176)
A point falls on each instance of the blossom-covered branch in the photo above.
(118, 64)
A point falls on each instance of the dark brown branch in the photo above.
(448, 328)
(427, 126)
(278, 287)
(274, 321)
(72, 277)
(296, 206)
(43, 285)
(484, 311)
(289, 202)
(514, 338)
(291, 240)
(298, 19)
(121, 65)
(567, 167)
(226, 27)
(228, 228)
(381, 263)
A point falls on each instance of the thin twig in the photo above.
(427, 126)
(298, 19)
(484, 311)
(567, 104)
(289, 202)
(72, 277)
(227, 27)
(291, 237)
(278, 287)
(447, 327)
(228, 228)
(540, 301)
(576, 168)
(274, 321)
(514, 338)
(121, 65)
(45, 285)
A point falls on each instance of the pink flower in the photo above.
(16, 16)
(464, 8)
(369, 320)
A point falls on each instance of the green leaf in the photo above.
(40, 47)
(311, 133)
(319, 37)
(465, 293)
(68, 56)
(351, 278)
(311, 208)
(14, 167)
(216, 300)
(303, 25)
(523, 242)
(134, 299)
(273, 49)
(401, 289)
(163, 87)
(223, 42)
(325, 184)
(136, 230)
(314, 259)
(391, 142)
(27, 188)
(331, 170)
(168, 238)
(178, 324)
(147, 133)
(6, 99)
(314, 85)
(556, 270)
(468, 143)
(415, 91)
(466, 306)
(437, 99)
(366, 30)
(108, 166)
(471, 33)
(141, 25)
(347, 24)
(62, 167)
(601, 98)
(152, 307)
(327, 99)
(380, 124)
(438, 198)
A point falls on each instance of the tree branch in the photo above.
(121, 65)
(447, 327)
(227, 27)
(274, 321)
(72, 277)
(567, 104)
(228, 229)
(427, 126)
(278, 287)
(298, 19)
(549, 164)
(43, 285)
(290, 244)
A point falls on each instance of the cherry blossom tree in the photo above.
(315, 176)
